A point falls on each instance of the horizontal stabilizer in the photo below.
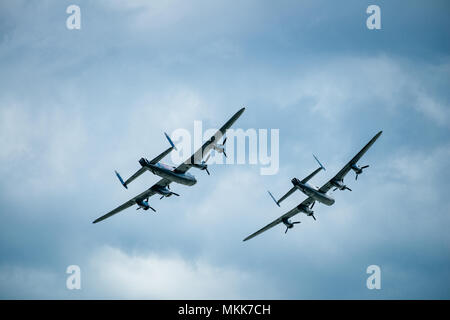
(273, 198)
(120, 179)
(291, 191)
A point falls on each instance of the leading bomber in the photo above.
(171, 174)
(320, 195)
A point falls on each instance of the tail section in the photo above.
(321, 166)
(170, 141)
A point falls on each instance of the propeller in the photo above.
(223, 144)
(360, 171)
(345, 188)
(168, 195)
(363, 167)
(312, 214)
(148, 207)
(221, 147)
(287, 228)
(204, 163)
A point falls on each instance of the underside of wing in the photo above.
(341, 174)
(287, 215)
(144, 195)
(270, 225)
(208, 145)
(124, 206)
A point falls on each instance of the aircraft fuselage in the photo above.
(313, 192)
(168, 172)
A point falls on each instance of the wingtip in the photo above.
(241, 111)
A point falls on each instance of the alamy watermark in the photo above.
(73, 281)
(374, 280)
(373, 22)
(242, 147)
(74, 20)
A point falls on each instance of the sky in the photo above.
(75, 105)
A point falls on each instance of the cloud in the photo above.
(29, 283)
(75, 106)
(156, 276)
(40, 147)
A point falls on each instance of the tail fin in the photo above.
(120, 179)
(170, 141)
(319, 163)
(273, 198)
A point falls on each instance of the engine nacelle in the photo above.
(295, 182)
(144, 162)
(288, 223)
(143, 204)
(305, 210)
(357, 169)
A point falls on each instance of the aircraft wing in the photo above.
(341, 174)
(201, 152)
(287, 215)
(144, 195)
